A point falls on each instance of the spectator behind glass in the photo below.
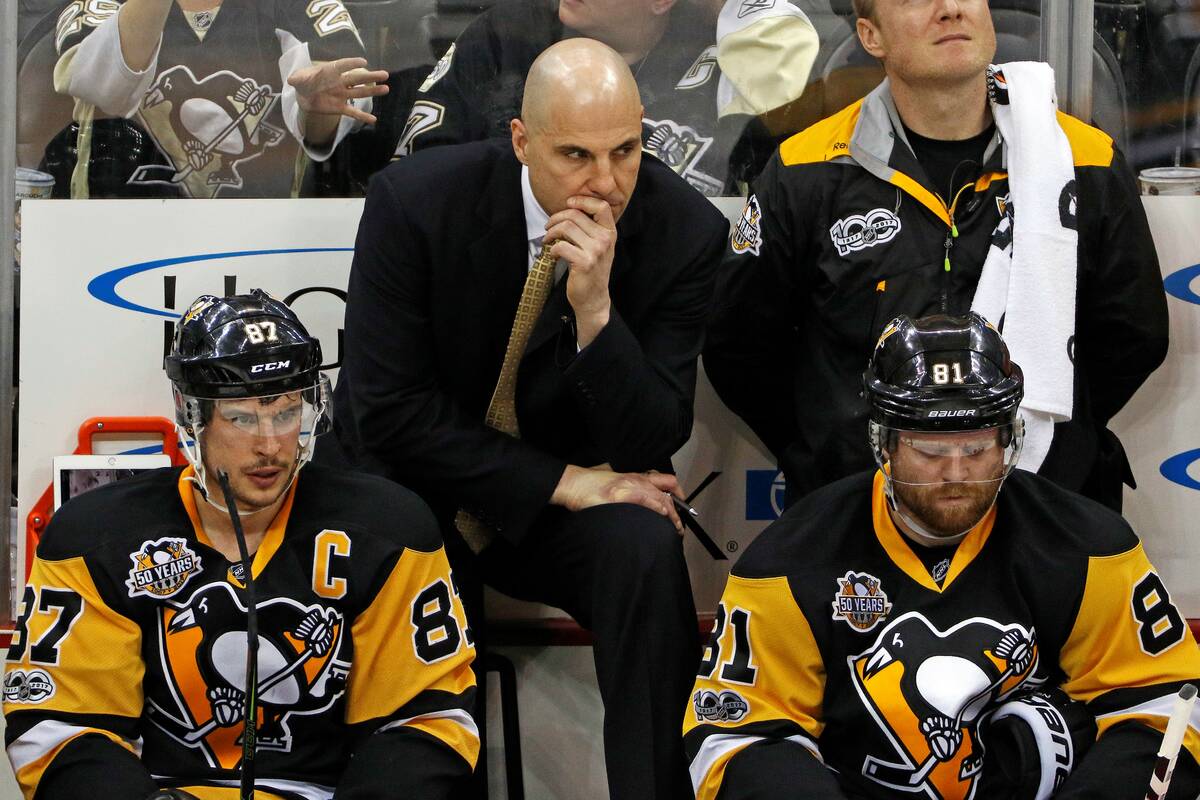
(695, 116)
(230, 91)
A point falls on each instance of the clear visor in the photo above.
(303, 413)
(930, 458)
(276, 415)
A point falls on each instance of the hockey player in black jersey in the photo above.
(127, 674)
(917, 632)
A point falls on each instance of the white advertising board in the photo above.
(103, 281)
(1160, 427)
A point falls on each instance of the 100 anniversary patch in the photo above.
(162, 567)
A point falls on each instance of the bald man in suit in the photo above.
(580, 503)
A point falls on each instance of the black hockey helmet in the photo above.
(247, 345)
(942, 373)
(227, 349)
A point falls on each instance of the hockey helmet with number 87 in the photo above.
(246, 346)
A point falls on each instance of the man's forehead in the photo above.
(587, 126)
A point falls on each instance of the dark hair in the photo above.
(864, 8)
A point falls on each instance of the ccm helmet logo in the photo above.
(270, 366)
(960, 412)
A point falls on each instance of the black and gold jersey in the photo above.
(214, 103)
(133, 628)
(833, 636)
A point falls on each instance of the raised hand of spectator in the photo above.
(328, 87)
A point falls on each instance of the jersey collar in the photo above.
(271, 540)
(896, 545)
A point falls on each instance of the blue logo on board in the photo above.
(764, 494)
(1175, 469)
(1179, 284)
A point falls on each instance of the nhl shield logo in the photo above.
(860, 601)
(162, 567)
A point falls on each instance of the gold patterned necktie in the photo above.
(502, 410)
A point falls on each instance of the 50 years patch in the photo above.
(860, 601)
(162, 567)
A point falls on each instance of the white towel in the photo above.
(1027, 288)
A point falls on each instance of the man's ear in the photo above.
(660, 7)
(870, 37)
(520, 140)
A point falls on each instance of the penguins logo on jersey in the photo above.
(860, 601)
(927, 689)
(680, 148)
(162, 567)
(206, 128)
(747, 233)
(202, 655)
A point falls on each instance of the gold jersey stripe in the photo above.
(460, 738)
(30, 774)
(226, 793)
(789, 683)
(922, 196)
(711, 765)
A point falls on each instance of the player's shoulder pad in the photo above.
(812, 530)
(1054, 519)
(368, 505)
(108, 515)
(1090, 147)
(824, 140)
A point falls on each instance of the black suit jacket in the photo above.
(439, 265)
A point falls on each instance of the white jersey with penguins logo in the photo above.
(212, 105)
